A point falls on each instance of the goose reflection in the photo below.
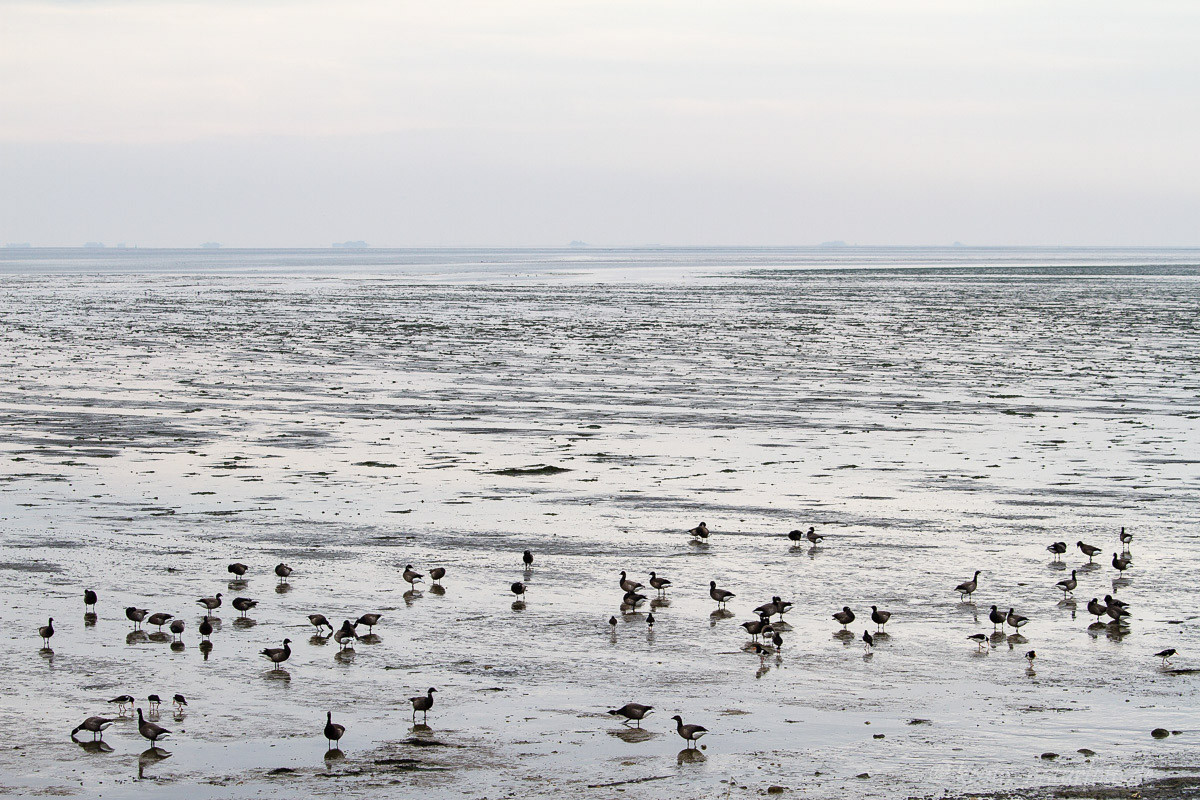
(278, 674)
(660, 602)
(437, 589)
(518, 605)
(689, 755)
(98, 746)
(206, 648)
(632, 735)
(136, 637)
(282, 588)
(89, 619)
(244, 622)
(150, 757)
(718, 615)
(334, 754)
(345, 656)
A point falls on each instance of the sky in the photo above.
(514, 123)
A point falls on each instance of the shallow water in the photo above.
(930, 412)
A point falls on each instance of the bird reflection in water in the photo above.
(150, 757)
(690, 755)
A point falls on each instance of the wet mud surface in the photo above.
(156, 426)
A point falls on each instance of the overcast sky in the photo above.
(522, 122)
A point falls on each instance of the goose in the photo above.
(776, 639)
(283, 571)
(437, 573)
(527, 559)
(206, 627)
(1016, 620)
(278, 655)
(689, 733)
(659, 584)
(518, 589)
(1125, 538)
(94, 725)
(628, 585)
(796, 535)
(89, 599)
(1068, 584)
(650, 619)
(880, 618)
(632, 599)
(754, 627)
(1088, 550)
(318, 621)
(176, 628)
(868, 640)
(422, 703)
(210, 603)
(412, 576)
(154, 701)
(243, 604)
(722, 596)
(333, 731)
(700, 531)
(845, 616)
(1121, 564)
(767, 610)
(345, 634)
(980, 639)
(1165, 655)
(150, 730)
(370, 620)
(1058, 548)
(179, 701)
(46, 631)
(967, 588)
(813, 536)
(1117, 612)
(238, 569)
(996, 617)
(159, 619)
(123, 702)
(135, 615)
(612, 623)
(1112, 601)
(1096, 608)
(632, 712)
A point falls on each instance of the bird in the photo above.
(437, 573)
(135, 615)
(333, 731)
(278, 655)
(422, 703)
(1121, 564)
(527, 559)
(1030, 656)
(1112, 601)
(967, 588)
(659, 584)
(1016, 620)
(1117, 612)
(868, 640)
(980, 639)
(89, 599)
(159, 618)
(206, 627)
(754, 627)
(318, 621)
(880, 618)
(150, 730)
(123, 701)
(722, 596)
(700, 531)
(689, 733)
(283, 571)
(996, 617)
(612, 624)
(632, 598)
(1165, 655)
(370, 620)
(345, 633)
(632, 712)
(1068, 584)
(94, 725)
(412, 576)
(845, 616)
(176, 628)
(776, 606)
(238, 569)
(813, 536)
(154, 701)
(1125, 538)
(776, 639)
(650, 619)
(628, 585)
(1088, 550)
(179, 701)
(518, 589)
(46, 631)
(796, 535)
(1096, 608)
(211, 603)
(1058, 548)
(244, 604)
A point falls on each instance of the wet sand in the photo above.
(158, 426)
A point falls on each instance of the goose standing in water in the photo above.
(150, 730)
(1068, 584)
(283, 571)
(345, 634)
(177, 627)
(422, 703)
(1016, 620)
(527, 559)
(814, 537)
(700, 531)
(967, 588)
(996, 617)
(159, 619)
(720, 595)
(210, 603)
(333, 731)
(89, 599)
(1058, 548)
(689, 733)
(518, 589)
(318, 621)
(1088, 550)
(237, 569)
(412, 576)
(278, 655)
(796, 536)
(135, 615)
(1121, 564)
(370, 620)
(880, 618)
(1096, 608)
(658, 584)
(845, 616)
(206, 627)
(93, 725)
(46, 631)
(628, 585)
(436, 574)
(1125, 538)
(632, 712)
(244, 604)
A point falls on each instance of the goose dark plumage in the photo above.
(1057, 548)
(210, 603)
(278, 655)
(1096, 608)
(177, 627)
(243, 604)
(412, 576)
(370, 620)
(437, 573)
(333, 731)
(632, 712)
(238, 569)
(1068, 584)
(700, 531)
(628, 585)
(89, 599)
(880, 618)
(93, 725)
(967, 588)
(518, 589)
(206, 627)
(135, 615)
(845, 616)
(150, 730)
(720, 595)
(46, 631)
(527, 559)
(318, 621)
(1088, 550)
(160, 619)
(283, 571)
(422, 703)
(689, 733)
(658, 584)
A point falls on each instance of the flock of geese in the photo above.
(766, 635)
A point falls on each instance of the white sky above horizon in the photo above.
(475, 122)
